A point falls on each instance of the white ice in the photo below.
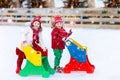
(103, 52)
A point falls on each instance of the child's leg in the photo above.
(38, 48)
(19, 63)
(58, 55)
(21, 56)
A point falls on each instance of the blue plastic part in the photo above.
(75, 51)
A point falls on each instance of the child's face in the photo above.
(59, 24)
(36, 25)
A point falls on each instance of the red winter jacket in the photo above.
(57, 35)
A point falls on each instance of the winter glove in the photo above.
(70, 32)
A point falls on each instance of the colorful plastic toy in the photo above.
(35, 63)
(31, 55)
(79, 59)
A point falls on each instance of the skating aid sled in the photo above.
(34, 64)
(79, 58)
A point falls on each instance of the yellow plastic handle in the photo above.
(32, 55)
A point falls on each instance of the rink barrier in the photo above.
(78, 17)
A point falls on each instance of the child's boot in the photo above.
(58, 69)
(19, 63)
(18, 70)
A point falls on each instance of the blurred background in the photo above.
(75, 13)
(52, 3)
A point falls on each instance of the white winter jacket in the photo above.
(27, 35)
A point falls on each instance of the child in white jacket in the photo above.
(32, 36)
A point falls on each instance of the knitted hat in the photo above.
(57, 19)
(37, 18)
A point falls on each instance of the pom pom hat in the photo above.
(37, 18)
(57, 19)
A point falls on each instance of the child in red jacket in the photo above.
(59, 35)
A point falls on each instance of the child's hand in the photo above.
(24, 43)
(64, 38)
(70, 32)
(44, 49)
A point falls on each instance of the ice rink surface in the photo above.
(103, 51)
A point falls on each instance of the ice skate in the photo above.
(58, 69)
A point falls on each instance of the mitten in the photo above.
(70, 32)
